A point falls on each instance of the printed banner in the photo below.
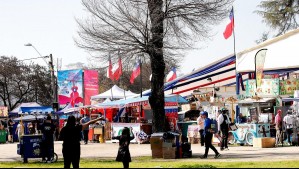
(269, 87)
(117, 129)
(288, 87)
(70, 87)
(91, 85)
(3, 112)
(259, 65)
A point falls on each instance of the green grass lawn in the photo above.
(147, 162)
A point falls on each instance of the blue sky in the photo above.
(50, 26)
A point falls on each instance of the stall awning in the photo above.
(30, 118)
(18, 109)
(142, 101)
(36, 110)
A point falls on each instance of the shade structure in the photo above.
(282, 54)
(30, 118)
(114, 93)
(18, 109)
(36, 110)
(140, 101)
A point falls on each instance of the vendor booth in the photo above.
(137, 113)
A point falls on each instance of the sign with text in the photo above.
(3, 112)
(269, 87)
(288, 87)
(91, 85)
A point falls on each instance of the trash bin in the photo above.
(3, 134)
(30, 147)
(157, 145)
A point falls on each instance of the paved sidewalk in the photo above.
(109, 151)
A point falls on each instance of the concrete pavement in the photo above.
(109, 151)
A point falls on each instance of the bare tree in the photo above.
(23, 83)
(153, 30)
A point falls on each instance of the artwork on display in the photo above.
(117, 129)
(288, 87)
(269, 87)
(3, 112)
(70, 87)
(91, 85)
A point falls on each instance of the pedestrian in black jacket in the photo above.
(71, 137)
(124, 155)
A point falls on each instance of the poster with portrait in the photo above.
(70, 87)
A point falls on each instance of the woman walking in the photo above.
(124, 155)
(71, 136)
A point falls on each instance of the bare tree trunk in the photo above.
(155, 50)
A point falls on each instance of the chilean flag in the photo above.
(117, 70)
(230, 27)
(171, 75)
(136, 72)
(109, 70)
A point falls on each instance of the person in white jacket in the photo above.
(223, 127)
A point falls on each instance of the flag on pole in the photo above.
(117, 70)
(230, 27)
(171, 75)
(136, 72)
(109, 70)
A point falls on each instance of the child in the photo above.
(124, 142)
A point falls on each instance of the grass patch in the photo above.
(148, 162)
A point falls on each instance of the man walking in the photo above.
(200, 123)
(288, 122)
(208, 133)
(85, 120)
(223, 127)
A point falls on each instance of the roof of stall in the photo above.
(115, 92)
(139, 100)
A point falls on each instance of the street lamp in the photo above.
(51, 67)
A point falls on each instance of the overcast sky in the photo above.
(50, 26)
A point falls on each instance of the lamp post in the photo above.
(51, 67)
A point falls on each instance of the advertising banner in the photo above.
(117, 129)
(91, 85)
(269, 87)
(70, 87)
(259, 66)
(288, 87)
(3, 112)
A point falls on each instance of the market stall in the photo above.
(137, 113)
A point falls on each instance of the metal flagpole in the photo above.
(141, 108)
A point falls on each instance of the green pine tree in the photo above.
(280, 15)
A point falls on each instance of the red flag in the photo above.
(230, 27)
(109, 70)
(136, 72)
(118, 70)
(171, 76)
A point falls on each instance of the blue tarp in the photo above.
(38, 110)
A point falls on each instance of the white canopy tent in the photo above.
(282, 54)
(114, 93)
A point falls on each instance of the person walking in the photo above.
(47, 129)
(85, 120)
(71, 137)
(223, 128)
(124, 155)
(20, 131)
(208, 133)
(10, 124)
(200, 123)
(278, 127)
(288, 122)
